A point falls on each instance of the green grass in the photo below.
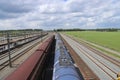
(106, 39)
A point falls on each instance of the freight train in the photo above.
(64, 68)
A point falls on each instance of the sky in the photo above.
(55, 14)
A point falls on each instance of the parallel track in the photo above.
(12, 52)
(98, 63)
(6, 63)
(107, 65)
(87, 73)
(113, 60)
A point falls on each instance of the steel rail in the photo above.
(6, 63)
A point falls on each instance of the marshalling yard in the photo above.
(54, 56)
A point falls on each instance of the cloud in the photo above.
(59, 14)
(14, 9)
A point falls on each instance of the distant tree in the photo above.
(107, 30)
(75, 29)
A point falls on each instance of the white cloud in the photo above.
(48, 14)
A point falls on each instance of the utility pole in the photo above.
(8, 42)
(24, 36)
(41, 36)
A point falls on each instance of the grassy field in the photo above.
(107, 39)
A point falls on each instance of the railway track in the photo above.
(17, 53)
(87, 73)
(100, 64)
(100, 53)
(116, 62)
(2, 56)
(33, 68)
(103, 66)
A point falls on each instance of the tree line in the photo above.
(102, 30)
(21, 30)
